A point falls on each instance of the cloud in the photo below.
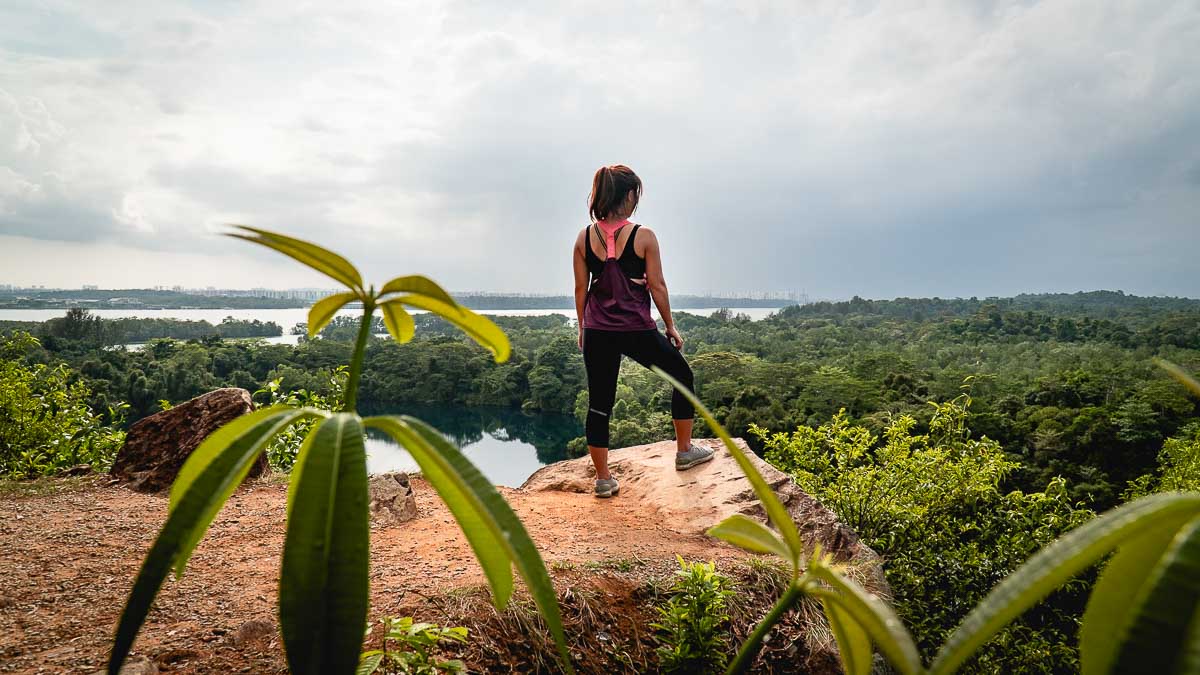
(877, 148)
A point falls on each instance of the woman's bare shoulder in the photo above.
(646, 239)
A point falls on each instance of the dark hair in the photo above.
(610, 187)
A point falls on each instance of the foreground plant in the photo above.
(415, 652)
(323, 584)
(691, 623)
(1143, 615)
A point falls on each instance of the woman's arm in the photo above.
(657, 285)
(581, 281)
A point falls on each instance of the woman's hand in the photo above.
(675, 338)
(581, 337)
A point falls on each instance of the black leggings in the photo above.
(602, 351)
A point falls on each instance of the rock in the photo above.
(692, 501)
(391, 498)
(77, 470)
(136, 665)
(157, 446)
(255, 631)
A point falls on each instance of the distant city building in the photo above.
(91, 287)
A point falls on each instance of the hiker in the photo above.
(618, 270)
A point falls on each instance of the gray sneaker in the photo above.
(607, 487)
(694, 456)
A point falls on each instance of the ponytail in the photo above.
(610, 187)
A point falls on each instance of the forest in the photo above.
(1040, 411)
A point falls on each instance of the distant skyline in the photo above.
(879, 149)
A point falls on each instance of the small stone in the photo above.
(254, 631)
(136, 665)
(391, 499)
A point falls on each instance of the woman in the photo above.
(625, 269)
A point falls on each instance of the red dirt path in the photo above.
(67, 561)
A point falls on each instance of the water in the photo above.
(506, 444)
(287, 318)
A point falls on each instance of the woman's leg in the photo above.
(602, 359)
(652, 348)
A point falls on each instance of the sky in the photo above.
(952, 148)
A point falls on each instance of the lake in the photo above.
(287, 318)
(506, 444)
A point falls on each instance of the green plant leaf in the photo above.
(398, 321)
(322, 260)
(1052, 566)
(854, 646)
(298, 468)
(745, 532)
(370, 663)
(479, 328)
(874, 617)
(1107, 618)
(418, 285)
(1162, 630)
(512, 535)
(778, 515)
(323, 311)
(1189, 660)
(1180, 374)
(323, 584)
(210, 475)
(481, 529)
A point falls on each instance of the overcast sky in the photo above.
(881, 149)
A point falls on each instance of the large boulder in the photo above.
(692, 501)
(156, 447)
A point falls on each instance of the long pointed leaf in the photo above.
(1162, 625)
(1107, 619)
(479, 328)
(854, 645)
(745, 532)
(525, 554)
(323, 310)
(875, 618)
(211, 474)
(241, 440)
(322, 260)
(778, 515)
(479, 526)
(1055, 564)
(1180, 374)
(419, 285)
(516, 540)
(398, 321)
(323, 584)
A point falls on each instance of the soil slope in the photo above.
(68, 558)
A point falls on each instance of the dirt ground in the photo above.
(68, 557)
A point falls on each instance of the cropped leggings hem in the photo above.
(602, 352)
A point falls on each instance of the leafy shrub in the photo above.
(1178, 467)
(1140, 618)
(282, 452)
(932, 506)
(45, 422)
(416, 649)
(693, 621)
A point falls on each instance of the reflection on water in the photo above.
(506, 444)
